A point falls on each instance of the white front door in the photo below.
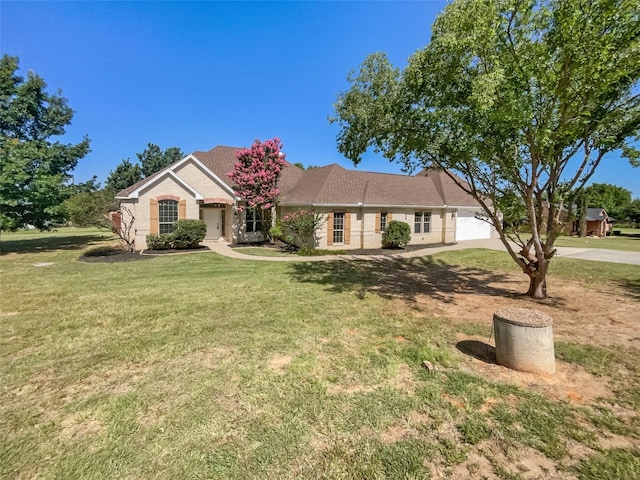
(211, 217)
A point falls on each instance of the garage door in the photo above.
(468, 227)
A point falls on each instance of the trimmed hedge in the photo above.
(186, 234)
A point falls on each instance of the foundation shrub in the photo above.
(397, 235)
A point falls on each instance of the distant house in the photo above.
(357, 205)
(598, 222)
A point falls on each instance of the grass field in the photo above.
(626, 241)
(199, 366)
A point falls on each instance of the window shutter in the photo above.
(182, 209)
(377, 222)
(389, 217)
(153, 216)
(330, 229)
(347, 228)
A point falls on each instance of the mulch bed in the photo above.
(112, 256)
(115, 255)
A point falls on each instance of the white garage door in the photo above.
(468, 227)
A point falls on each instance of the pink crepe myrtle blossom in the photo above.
(256, 173)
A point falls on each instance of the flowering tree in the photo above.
(304, 223)
(256, 175)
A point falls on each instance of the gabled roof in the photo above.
(594, 214)
(332, 185)
(218, 162)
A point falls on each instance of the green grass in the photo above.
(199, 366)
(263, 252)
(629, 241)
(592, 274)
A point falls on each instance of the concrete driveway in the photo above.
(600, 255)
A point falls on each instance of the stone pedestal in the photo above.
(524, 340)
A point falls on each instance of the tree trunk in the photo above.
(537, 286)
(582, 219)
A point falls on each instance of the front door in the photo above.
(211, 217)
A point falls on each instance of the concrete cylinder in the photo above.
(524, 340)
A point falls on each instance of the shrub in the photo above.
(304, 223)
(397, 235)
(159, 242)
(275, 232)
(188, 233)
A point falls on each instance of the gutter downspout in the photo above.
(364, 195)
(444, 224)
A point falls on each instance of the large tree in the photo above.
(124, 175)
(522, 99)
(153, 159)
(614, 199)
(34, 169)
(256, 175)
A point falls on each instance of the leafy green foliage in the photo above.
(521, 99)
(34, 171)
(185, 234)
(304, 222)
(91, 209)
(276, 232)
(153, 159)
(633, 211)
(124, 175)
(397, 235)
(615, 200)
(188, 233)
(162, 241)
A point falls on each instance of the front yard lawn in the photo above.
(629, 242)
(199, 366)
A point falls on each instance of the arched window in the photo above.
(167, 215)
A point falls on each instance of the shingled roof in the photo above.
(220, 160)
(334, 185)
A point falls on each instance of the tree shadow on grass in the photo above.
(632, 288)
(49, 243)
(405, 279)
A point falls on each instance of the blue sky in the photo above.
(200, 74)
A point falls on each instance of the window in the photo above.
(383, 221)
(422, 222)
(253, 220)
(167, 215)
(338, 228)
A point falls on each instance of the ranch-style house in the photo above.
(358, 205)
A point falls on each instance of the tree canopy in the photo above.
(151, 160)
(91, 208)
(522, 99)
(34, 170)
(614, 199)
(124, 175)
